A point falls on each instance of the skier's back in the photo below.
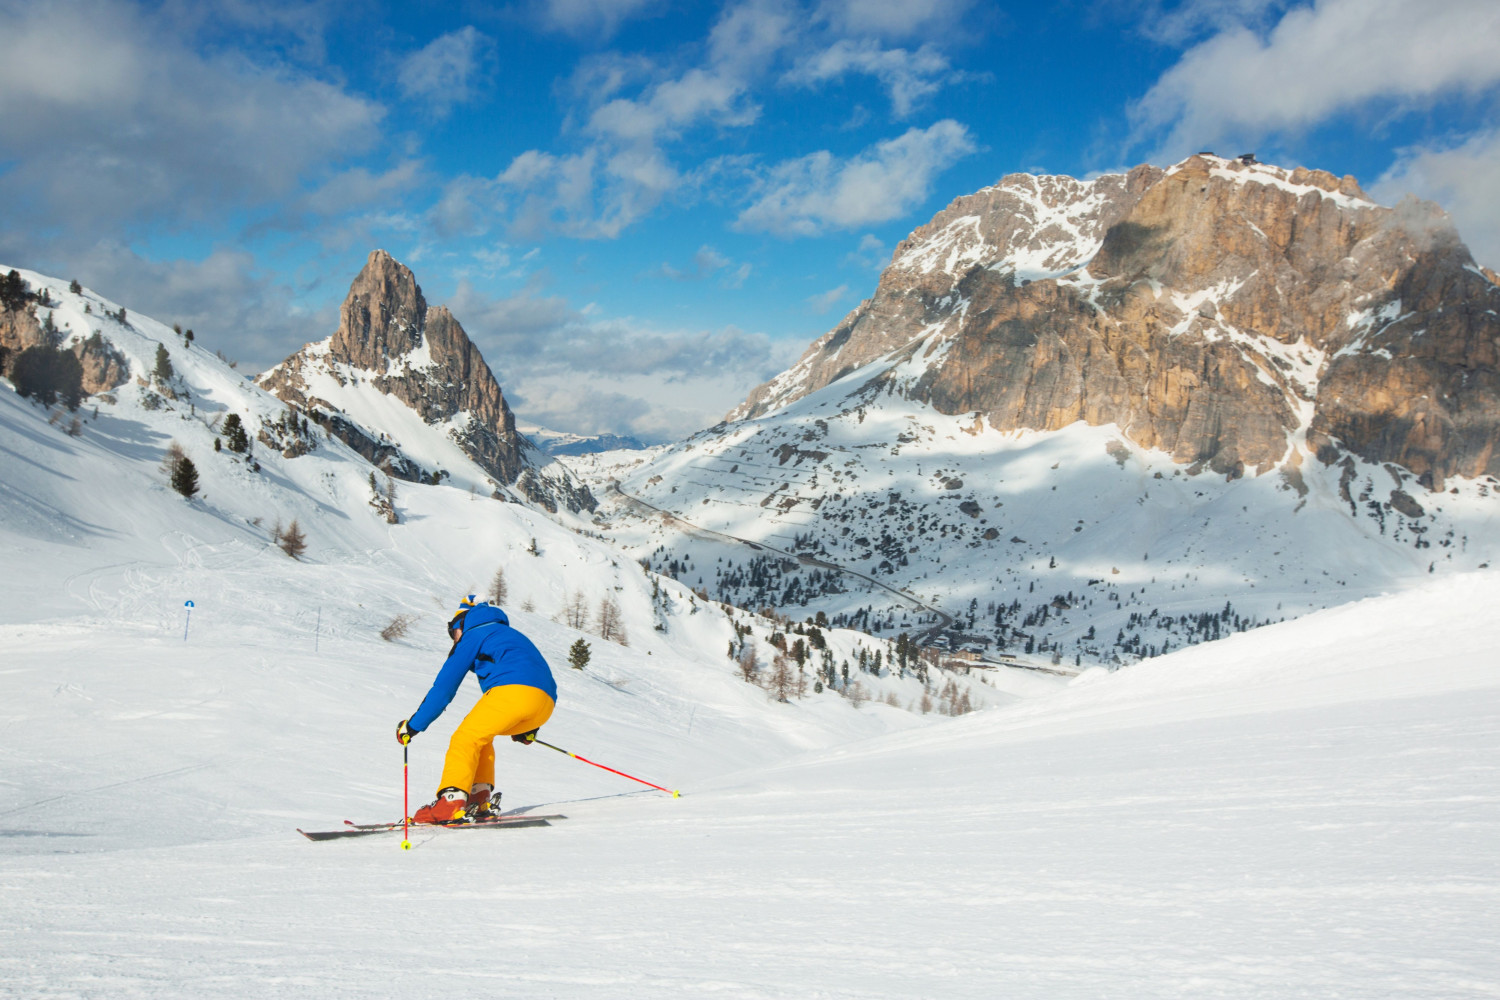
(519, 694)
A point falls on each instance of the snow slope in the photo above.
(1072, 541)
(1308, 809)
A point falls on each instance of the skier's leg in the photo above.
(484, 773)
(501, 711)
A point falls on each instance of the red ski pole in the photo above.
(405, 794)
(675, 794)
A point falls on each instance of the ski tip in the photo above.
(676, 794)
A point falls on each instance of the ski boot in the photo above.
(448, 808)
(484, 804)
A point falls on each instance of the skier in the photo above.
(518, 696)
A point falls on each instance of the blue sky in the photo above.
(641, 208)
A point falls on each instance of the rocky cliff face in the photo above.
(1231, 313)
(389, 339)
(104, 367)
(1025, 227)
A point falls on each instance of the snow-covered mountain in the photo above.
(401, 383)
(1099, 420)
(91, 494)
(567, 443)
(1227, 312)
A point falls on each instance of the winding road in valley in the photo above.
(945, 621)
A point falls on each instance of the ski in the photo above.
(506, 820)
(366, 829)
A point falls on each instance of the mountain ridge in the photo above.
(1165, 404)
(1200, 308)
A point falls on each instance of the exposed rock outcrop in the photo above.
(1223, 311)
(19, 329)
(104, 367)
(389, 337)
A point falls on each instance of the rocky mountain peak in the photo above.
(382, 317)
(1231, 313)
(391, 342)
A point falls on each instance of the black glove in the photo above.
(403, 732)
(526, 737)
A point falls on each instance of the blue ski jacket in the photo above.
(497, 654)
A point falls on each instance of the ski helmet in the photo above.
(457, 621)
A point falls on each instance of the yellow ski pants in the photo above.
(507, 710)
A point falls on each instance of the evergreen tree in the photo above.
(48, 375)
(578, 655)
(51, 335)
(185, 477)
(234, 433)
(163, 371)
(13, 291)
(75, 287)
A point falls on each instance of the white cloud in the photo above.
(672, 106)
(737, 277)
(1319, 61)
(601, 77)
(358, 187)
(447, 70)
(1463, 178)
(807, 196)
(824, 301)
(584, 196)
(623, 172)
(895, 18)
(1179, 25)
(750, 35)
(707, 263)
(871, 254)
(106, 116)
(295, 25)
(908, 77)
(708, 260)
(229, 302)
(467, 207)
(567, 369)
(593, 18)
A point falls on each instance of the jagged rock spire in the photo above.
(382, 317)
(420, 354)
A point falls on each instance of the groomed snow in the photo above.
(1307, 810)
